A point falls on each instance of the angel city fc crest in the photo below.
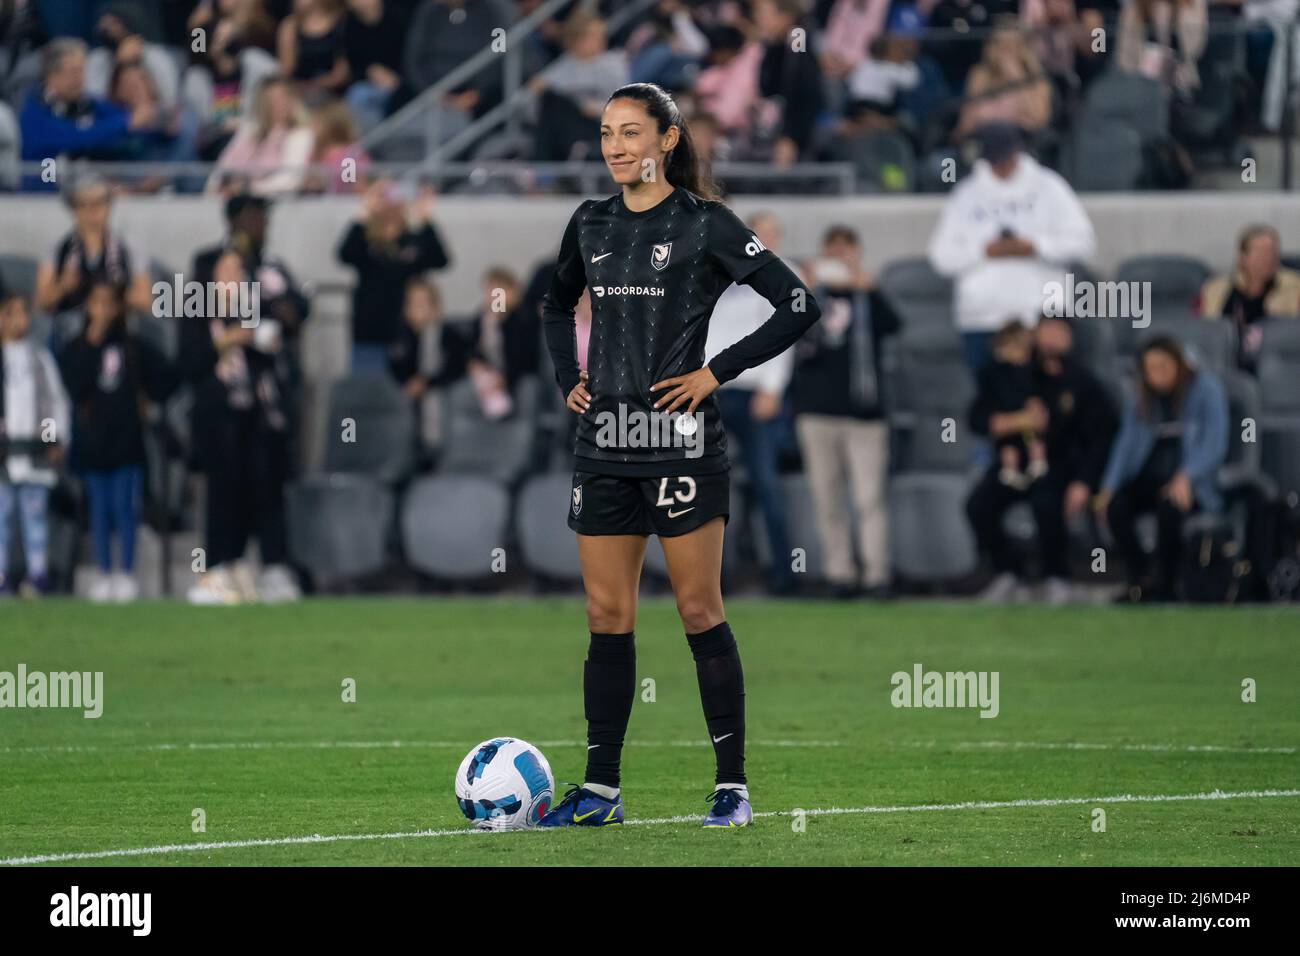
(577, 501)
(660, 253)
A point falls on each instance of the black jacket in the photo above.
(107, 384)
(829, 357)
(382, 275)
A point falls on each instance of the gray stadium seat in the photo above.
(930, 383)
(18, 274)
(1280, 337)
(1209, 343)
(1278, 373)
(549, 549)
(930, 538)
(384, 428)
(1129, 98)
(1094, 344)
(1176, 280)
(920, 295)
(450, 525)
(1104, 154)
(475, 445)
(338, 525)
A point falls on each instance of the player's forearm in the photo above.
(561, 334)
(796, 311)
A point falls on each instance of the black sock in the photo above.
(608, 689)
(722, 693)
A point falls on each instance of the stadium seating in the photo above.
(451, 524)
(338, 525)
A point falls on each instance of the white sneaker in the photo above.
(277, 585)
(215, 588)
(241, 578)
(1003, 589)
(101, 587)
(124, 587)
(1057, 592)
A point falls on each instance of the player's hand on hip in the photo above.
(579, 399)
(694, 387)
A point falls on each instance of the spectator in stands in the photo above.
(242, 437)
(393, 242)
(498, 347)
(851, 27)
(33, 436)
(1258, 288)
(728, 86)
(341, 164)
(840, 415)
(373, 40)
(111, 375)
(443, 33)
(1007, 85)
(91, 252)
(1007, 230)
(960, 25)
(62, 120)
(418, 360)
(312, 50)
(574, 88)
(1166, 458)
(667, 47)
(172, 138)
(1067, 409)
(751, 404)
(120, 32)
(270, 153)
(1163, 39)
(239, 37)
(790, 73)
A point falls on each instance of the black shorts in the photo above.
(618, 504)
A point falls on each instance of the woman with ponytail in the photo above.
(650, 454)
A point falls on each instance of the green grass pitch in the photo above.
(239, 713)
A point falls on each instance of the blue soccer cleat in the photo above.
(582, 808)
(730, 809)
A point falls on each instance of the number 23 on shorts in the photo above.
(683, 494)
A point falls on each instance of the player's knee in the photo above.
(699, 612)
(607, 615)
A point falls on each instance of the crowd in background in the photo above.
(84, 387)
(279, 94)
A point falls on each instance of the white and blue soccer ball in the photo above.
(504, 784)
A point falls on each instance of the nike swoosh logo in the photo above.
(678, 514)
(718, 740)
(592, 746)
(595, 258)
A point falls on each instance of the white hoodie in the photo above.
(1035, 204)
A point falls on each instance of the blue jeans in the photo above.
(977, 350)
(113, 496)
(369, 357)
(759, 443)
(368, 103)
(32, 502)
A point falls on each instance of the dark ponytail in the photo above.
(683, 167)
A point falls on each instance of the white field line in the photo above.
(381, 745)
(451, 744)
(1139, 748)
(693, 818)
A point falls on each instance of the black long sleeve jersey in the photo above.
(655, 277)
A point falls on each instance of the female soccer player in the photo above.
(651, 453)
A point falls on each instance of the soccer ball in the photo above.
(504, 784)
